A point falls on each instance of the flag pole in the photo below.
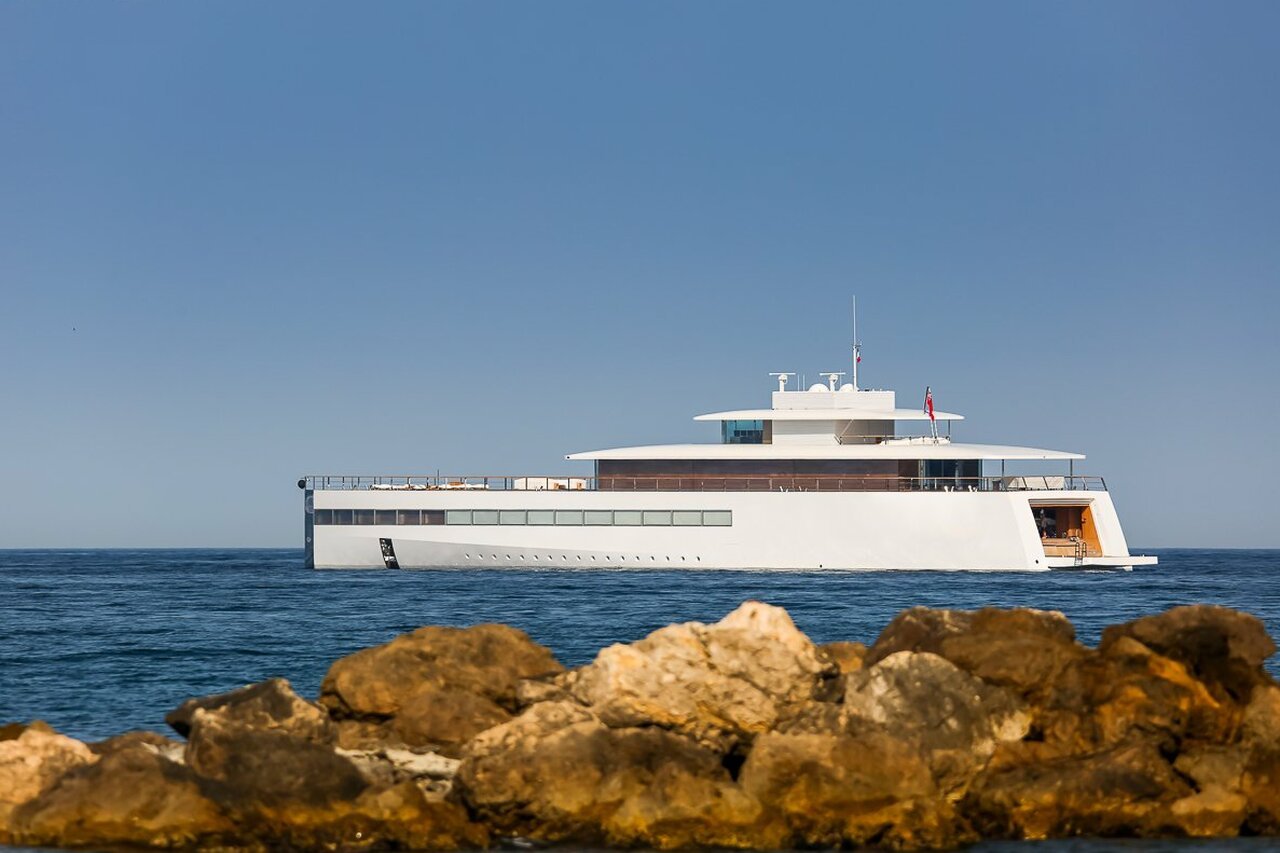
(853, 311)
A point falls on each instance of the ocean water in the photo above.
(97, 642)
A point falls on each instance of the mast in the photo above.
(857, 347)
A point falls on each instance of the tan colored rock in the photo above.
(269, 705)
(1222, 647)
(730, 680)
(32, 762)
(487, 660)
(556, 773)
(828, 790)
(954, 718)
(446, 717)
(130, 797)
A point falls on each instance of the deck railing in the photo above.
(699, 483)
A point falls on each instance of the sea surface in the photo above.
(99, 641)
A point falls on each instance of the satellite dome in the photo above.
(817, 386)
(848, 386)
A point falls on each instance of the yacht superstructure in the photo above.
(822, 479)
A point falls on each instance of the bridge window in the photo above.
(742, 432)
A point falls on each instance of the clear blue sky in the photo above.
(240, 242)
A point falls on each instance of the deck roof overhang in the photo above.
(942, 450)
(827, 415)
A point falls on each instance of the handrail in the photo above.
(702, 483)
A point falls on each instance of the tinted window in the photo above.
(384, 516)
(324, 516)
(407, 516)
(364, 516)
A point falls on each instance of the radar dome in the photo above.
(848, 386)
(817, 386)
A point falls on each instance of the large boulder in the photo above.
(488, 661)
(1222, 647)
(557, 773)
(445, 717)
(1127, 791)
(1128, 691)
(839, 790)
(269, 705)
(715, 683)
(955, 719)
(129, 797)
(1019, 648)
(32, 761)
(257, 768)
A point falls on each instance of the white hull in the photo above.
(943, 530)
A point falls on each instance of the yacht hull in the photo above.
(771, 531)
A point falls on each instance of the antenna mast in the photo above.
(857, 346)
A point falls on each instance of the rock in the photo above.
(268, 767)
(399, 817)
(1260, 784)
(1261, 719)
(832, 791)
(129, 797)
(388, 766)
(151, 741)
(556, 773)
(954, 718)
(1213, 813)
(445, 716)
(365, 735)
(487, 660)
(1125, 692)
(13, 731)
(1126, 792)
(268, 705)
(32, 761)
(530, 691)
(1225, 648)
(1019, 648)
(715, 683)
(847, 657)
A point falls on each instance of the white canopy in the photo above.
(942, 450)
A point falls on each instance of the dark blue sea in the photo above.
(97, 642)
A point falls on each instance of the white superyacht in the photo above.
(821, 480)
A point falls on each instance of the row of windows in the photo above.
(569, 517)
(380, 516)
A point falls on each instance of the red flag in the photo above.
(928, 402)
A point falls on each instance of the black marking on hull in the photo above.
(389, 554)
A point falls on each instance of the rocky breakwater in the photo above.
(953, 726)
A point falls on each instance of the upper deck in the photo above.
(826, 438)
